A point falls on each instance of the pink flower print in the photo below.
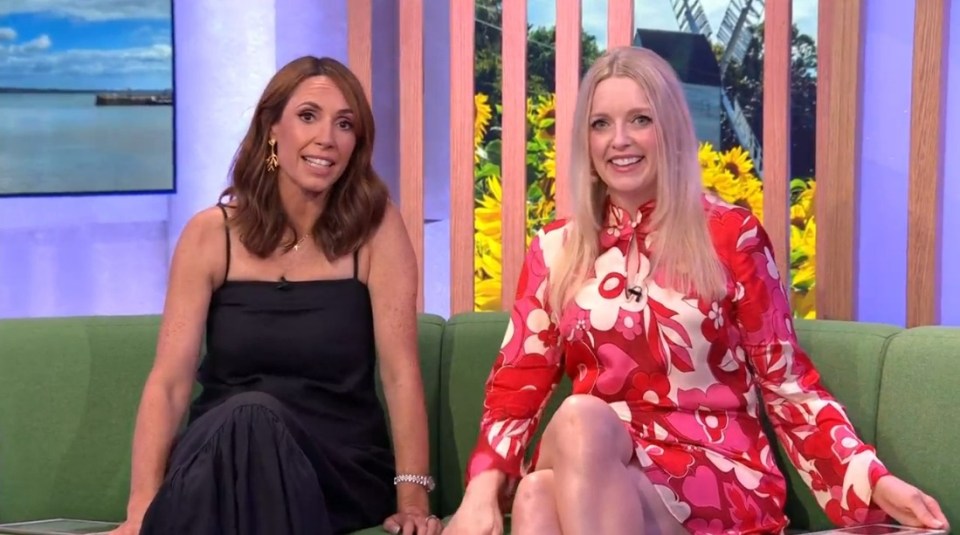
(701, 526)
(845, 443)
(629, 324)
(714, 423)
(543, 333)
(715, 401)
(743, 506)
(615, 367)
(649, 390)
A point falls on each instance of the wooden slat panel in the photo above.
(567, 83)
(514, 156)
(926, 161)
(461, 156)
(360, 42)
(619, 23)
(411, 124)
(838, 157)
(776, 130)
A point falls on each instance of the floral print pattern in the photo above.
(686, 376)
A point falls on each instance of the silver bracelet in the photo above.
(423, 481)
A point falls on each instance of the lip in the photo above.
(307, 157)
(621, 168)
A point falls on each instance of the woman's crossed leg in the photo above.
(587, 480)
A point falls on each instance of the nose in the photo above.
(323, 134)
(620, 138)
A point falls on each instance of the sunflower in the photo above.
(542, 116)
(736, 161)
(707, 156)
(482, 114)
(487, 212)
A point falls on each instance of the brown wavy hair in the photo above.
(355, 203)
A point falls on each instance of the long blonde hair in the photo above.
(685, 259)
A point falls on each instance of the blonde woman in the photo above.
(665, 308)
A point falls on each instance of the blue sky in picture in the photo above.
(86, 44)
(657, 15)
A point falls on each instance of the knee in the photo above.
(585, 428)
(534, 491)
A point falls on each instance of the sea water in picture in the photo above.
(86, 96)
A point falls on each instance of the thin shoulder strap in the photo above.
(226, 226)
(356, 263)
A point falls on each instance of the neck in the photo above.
(631, 203)
(302, 207)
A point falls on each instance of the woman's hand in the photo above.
(128, 527)
(413, 521)
(476, 518)
(907, 504)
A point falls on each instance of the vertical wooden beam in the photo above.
(514, 137)
(360, 42)
(411, 124)
(619, 23)
(461, 156)
(930, 41)
(567, 85)
(838, 157)
(777, 34)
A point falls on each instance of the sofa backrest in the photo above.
(69, 391)
(918, 427)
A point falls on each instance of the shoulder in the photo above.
(389, 243)
(390, 229)
(202, 241)
(725, 219)
(550, 240)
(204, 226)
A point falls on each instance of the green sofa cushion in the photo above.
(918, 432)
(70, 389)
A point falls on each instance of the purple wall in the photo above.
(950, 227)
(884, 163)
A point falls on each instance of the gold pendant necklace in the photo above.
(296, 246)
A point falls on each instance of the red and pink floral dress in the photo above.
(686, 377)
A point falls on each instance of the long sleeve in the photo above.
(840, 469)
(526, 371)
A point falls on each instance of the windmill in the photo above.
(735, 36)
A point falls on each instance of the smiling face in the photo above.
(623, 141)
(315, 136)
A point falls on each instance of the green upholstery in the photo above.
(69, 389)
(917, 423)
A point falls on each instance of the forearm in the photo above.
(159, 415)
(408, 419)
(486, 486)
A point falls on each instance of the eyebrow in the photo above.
(644, 110)
(314, 105)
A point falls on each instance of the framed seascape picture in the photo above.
(86, 97)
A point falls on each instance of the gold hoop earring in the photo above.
(272, 162)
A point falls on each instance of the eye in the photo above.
(598, 123)
(642, 120)
(307, 116)
(344, 124)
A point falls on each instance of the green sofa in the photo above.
(69, 389)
